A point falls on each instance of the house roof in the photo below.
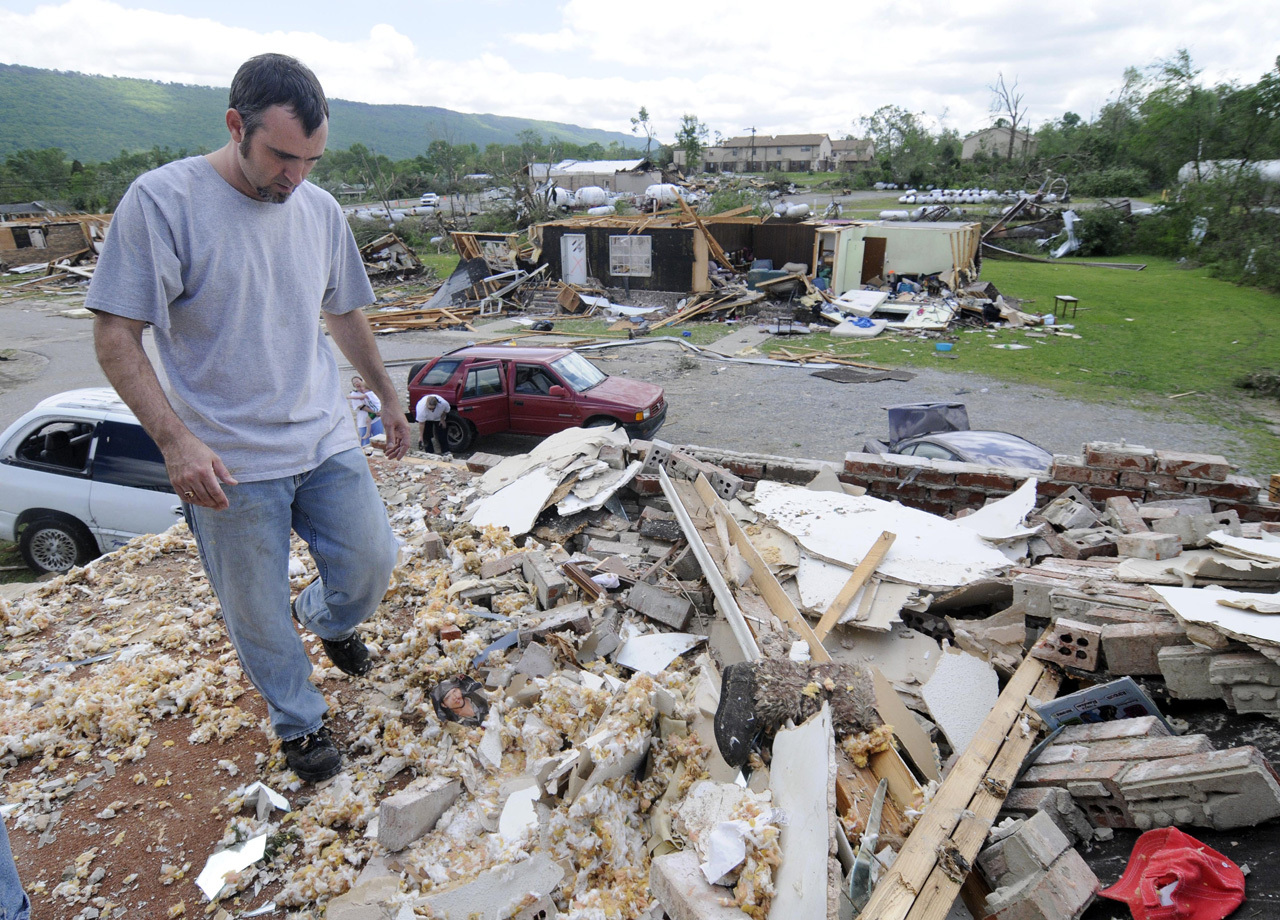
(997, 129)
(565, 167)
(853, 146)
(781, 140)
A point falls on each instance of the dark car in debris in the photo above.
(535, 391)
(940, 431)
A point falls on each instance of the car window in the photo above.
(932, 451)
(483, 381)
(578, 372)
(62, 444)
(126, 456)
(440, 373)
(532, 379)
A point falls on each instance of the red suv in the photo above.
(539, 391)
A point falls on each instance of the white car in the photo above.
(79, 477)
(430, 200)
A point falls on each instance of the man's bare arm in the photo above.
(194, 470)
(353, 336)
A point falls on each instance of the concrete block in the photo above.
(613, 455)
(1253, 698)
(549, 584)
(433, 546)
(1222, 789)
(676, 880)
(1062, 892)
(497, 893)
(1070, 643)
(1244, 668)
(482, 462)
(659, 605)
(492, 568)
(1162, 508)
(1085, 543)
(1119, 456)
(1194, 529)
(414, 810)
(1186, 672)
(370, 900)
(599, 547)
(657, 455)
(1149, 545)
(1034, 846)
(573, 616)
(1193, 466)
(1054, 802)
(1134, 648)
(1095, 786)
(1142, 750)
(1124, 515)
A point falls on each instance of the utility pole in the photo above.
(753, 147)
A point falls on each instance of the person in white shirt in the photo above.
(367, 408)
(430, 411)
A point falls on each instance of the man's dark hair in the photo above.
(277, 79)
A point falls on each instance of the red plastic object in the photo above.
(1173, 876)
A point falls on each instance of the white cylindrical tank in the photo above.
(663, 193)
(602, 209)
(591, 196)
(894, 215)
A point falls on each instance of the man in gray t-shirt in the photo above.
(230, 258)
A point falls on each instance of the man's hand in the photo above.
(197, 473)
(396, 428)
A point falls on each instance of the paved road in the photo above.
(715, 402)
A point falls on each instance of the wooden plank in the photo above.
(778, 599)
(896, 893)
(861, 573)
(712, 245)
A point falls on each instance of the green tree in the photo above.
(640, 122)
(691, 137)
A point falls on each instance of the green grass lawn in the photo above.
(1144, 336)
(12, 568)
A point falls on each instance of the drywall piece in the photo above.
(677, 882)
(519, 815)
(592, 494)
(776, 547)
(367, 900)
(518, 505)
(914, 739)
(1003, 521)
(496, 893)
(559, 450)
(1208, 564)
(1203, 606)
(904, 655)
(802, 779)
(1266, 548)
(651, 654)
(960, 695)
(235, 859)
(928, 550)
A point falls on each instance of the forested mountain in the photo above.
(93, 119)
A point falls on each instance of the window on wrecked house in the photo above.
(28, 237)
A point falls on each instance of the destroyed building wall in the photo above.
(27, 242)
(781, 242)
(673, 258)
(864, 250)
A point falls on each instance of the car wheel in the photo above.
(53, 545)
(459, 434)
(600, 421)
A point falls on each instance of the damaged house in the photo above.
(45, 238)
(624, 177)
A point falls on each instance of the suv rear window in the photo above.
(126, 456)
(439, 373)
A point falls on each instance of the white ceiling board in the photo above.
(777, 548)
(517, 506)
(1268, 547)
(594, 492)
(557, 450)
(1200, 605)
(802, 778)
(960, 695)
(1004, 520)
(819, 582)
(929, 550)
(902, 654)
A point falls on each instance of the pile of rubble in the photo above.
(616, 680)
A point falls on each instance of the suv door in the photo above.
(130, 492)
(533, 409)
(483, 400)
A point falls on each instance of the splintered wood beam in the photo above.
(932, 865)
(861, 573)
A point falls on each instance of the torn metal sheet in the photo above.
(517, 506)
(1206, 606)
(928, 551)
(225, 862)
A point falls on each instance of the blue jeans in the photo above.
(337, 511)
(14, 904)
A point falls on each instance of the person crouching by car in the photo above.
(431, 411)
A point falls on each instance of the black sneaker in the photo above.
(313, 757)
(349, 655)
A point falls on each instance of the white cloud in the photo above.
(596, 62)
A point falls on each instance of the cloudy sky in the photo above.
(813, 67)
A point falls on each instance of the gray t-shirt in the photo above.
(233, 289)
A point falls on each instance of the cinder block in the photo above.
(573, 616)
(658, 454)
(1119, 456)
(1034, 846)
(1186, 672)
(549, 584)
(433, 546)
(1149, 545)
(492, 568)
(1124, 514)
(1056, 803)
(1070, 643)
(1134, 648)
(659, 605)
(495, 893)
(412, 812)
(1193, 466)
(1222, 789)
(1094, 786)
(1194, 529)
(676, 880)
